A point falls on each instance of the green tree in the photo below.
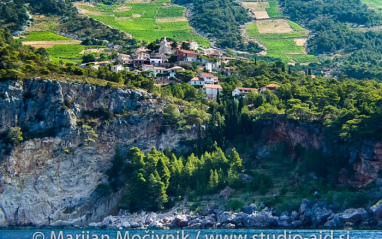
(214, 180)
(88, 58)
(14, 135)
(185, 76)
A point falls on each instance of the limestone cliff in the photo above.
(365, 158)
(71, 132)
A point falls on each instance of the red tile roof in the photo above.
(208, 75)
(212, 86)
(272, 86)
(187, 52)
(242, 88)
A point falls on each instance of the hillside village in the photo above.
(168, 64)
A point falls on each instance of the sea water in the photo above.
(189, 234)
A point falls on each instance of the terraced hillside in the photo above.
(58, 47)
(374, 4)
(282, 38)
(146, 20)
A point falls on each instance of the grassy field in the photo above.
(170, 12)
(374, 4)
(44, 36)
(66, 53)
(303, 58)
(283, 39)
(139, 20)
(253, 31)
(296, 27)
(273, 10)
(277, 47)
(287, 50)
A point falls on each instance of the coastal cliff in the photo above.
(71, 132)
(365, 159)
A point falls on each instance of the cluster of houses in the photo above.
(213, 90)
(242, 91)
(157, 64)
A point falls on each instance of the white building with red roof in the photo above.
(196, 81)
(185, 55)
(209, 78)
(271, 87)
(212, 91)
(242, 91)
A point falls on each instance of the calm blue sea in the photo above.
(188, 234)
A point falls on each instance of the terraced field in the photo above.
(58, 47)
(44, 36)
(374, 4)
(66, 53)
(273, 29)
(283, 39)
(147, 21)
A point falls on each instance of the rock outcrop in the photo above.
(311, 215)
(50, 177)
(366, 158)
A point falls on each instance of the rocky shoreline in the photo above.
(312, 215)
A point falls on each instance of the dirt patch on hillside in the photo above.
(256, 6)
(300, 41)
(81, 9)
(274, 26)
(44, 23)
(89, 51)
(123, 9)
(137, 15)
(50, 44)
(261, 14)
(172, 19)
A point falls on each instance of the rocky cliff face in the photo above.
(70, 140)
(365, 159)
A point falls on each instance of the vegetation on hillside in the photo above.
(360, 52)
(221, 19)
(147, 22)
(345, 111)
(155, 179)
(23, 62)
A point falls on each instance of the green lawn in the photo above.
(142, 24)
(273, 10)
(44, 36)
(67, 53)
(253, 32)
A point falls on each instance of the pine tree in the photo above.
(156, 191)
(164, 173)
(214, 179)
(136, 156)
(262, 188)
(235, 161)
(232, 178)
